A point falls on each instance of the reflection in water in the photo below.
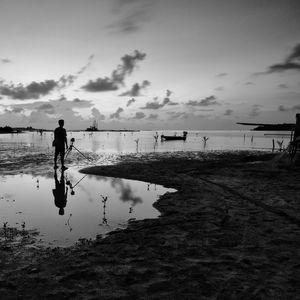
(68, 223)
(126, 192)
(60, 193)
(121, 200)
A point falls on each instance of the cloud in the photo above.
(157, 105)
(255, 111)
(178, 115)
(15, 110)
(67, 80)
(282, 108)
(249, 83)
(116, 115)
(97, 115)
(45, 114)
(88, 64)
(211, 100)
(130, 101)
(136, 89)
(283, 86)
(152, 117)
(219, 89)
(228, 112)
(139, 115)
(220, 75)
(169, 93)
(46, 108)
(292, 62)
(132, 14)
(5, 61)
(34, 90)
(112, 83)
(100, 85)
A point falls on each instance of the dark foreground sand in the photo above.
(232, 231)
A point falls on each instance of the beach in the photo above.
(231, 231)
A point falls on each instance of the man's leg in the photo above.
(55, 158)
(62, 158)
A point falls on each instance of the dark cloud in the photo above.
(139, 115)
(5, 61)
(116, 115)
(100, 85)
(169, 93)
(136, 89)
(228, 112)
(34, 90)
(130, 101)
(282, 108)
(157, 105)
(221, 75)
(129, 63)
(292, 62)
(249, 83)
(211, 100)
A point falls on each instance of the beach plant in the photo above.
(137, 144)
(280, 145)
(104, 219)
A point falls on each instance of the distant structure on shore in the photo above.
(270, 127)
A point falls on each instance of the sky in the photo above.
(149, 64)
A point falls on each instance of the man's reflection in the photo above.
(60, 193)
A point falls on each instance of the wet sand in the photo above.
(231, 231)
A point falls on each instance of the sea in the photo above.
(64, 208)
(146, 141)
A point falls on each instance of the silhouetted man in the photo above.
(60, 141)
(60, 193)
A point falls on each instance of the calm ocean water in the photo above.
(144, 141)
(86, 214)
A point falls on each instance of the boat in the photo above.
(94, 127)
(174, 137)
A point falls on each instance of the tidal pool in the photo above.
(67, 207)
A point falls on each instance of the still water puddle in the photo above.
(70, 206)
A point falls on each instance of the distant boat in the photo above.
(174, 137)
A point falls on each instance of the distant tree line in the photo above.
(6, 129)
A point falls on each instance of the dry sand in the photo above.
(231, 231)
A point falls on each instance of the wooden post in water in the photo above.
(273, 145)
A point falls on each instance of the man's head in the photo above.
(61, 123)
(61, 211)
